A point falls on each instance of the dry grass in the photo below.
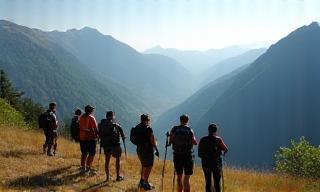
(24, 168)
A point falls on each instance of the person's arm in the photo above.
(54, 121)
(223, 146)
(122, 135)
(194, 140)
(171, 136)
(153, 142)
(94, 126)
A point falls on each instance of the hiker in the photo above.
(88, 136)
(110, 133)
(182, 139)
(142, 136)
(74, 128)
(48, 122)
(210, 151)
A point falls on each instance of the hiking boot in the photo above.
(150, 185)
(145, 186)
(49, 153)
(108, 178)
(82, 169)
(91, 172)
(120, 178)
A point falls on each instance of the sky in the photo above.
(182, 24)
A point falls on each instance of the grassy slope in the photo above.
(9, 115)
(23, 167)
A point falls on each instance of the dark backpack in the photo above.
(109, 133)
(182, 142)
(209, 148)
(75, 129)
(44, 120)
(139, 135)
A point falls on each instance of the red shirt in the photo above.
(88, 127)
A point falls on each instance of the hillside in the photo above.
(150, 76)
(47, 72)
(23, 167)
(230, 64)
(199, 61)
(267, 104)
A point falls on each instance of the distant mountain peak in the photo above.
(314, 24)
(2, 21)
(89, 29)
(84, 29)
(7, 23)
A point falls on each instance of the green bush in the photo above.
(9, 116)
(300, 159)
(29, 109)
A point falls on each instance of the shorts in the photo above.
(88, 147)
(114, 151)
(146, 156)
(183, 164)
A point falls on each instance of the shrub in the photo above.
(300, 159)
(9, 116)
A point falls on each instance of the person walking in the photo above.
(142, 136)
(48, 122)
(110, 133)
(210, 149)
(88, 139)
(183, 139)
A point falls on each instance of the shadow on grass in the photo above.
(57, 177)
(17, 153)
(133, 189)
(95, 187)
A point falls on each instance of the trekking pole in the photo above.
(174, 179)
(164, 161)
(221, 172)
(100, 149)
(125, 148)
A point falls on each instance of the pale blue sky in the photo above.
(183, 24)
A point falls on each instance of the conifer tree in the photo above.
(8, 92)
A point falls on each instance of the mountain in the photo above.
(226, 66)
(151, 76)
(47, 72)
(198, 61)
(266, 104)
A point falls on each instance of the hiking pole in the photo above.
(165, 158)
(125, 148)
(221, 172)
(174, 179)
(100, 149)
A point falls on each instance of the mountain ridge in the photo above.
(276, 95)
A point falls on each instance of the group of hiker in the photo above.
(85, 130)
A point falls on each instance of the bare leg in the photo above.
(118, 166)
(142, 173)
(83, 160)
(90, 160)
(186, 183)
(147, 171)
(179, 181)
(106, 167)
